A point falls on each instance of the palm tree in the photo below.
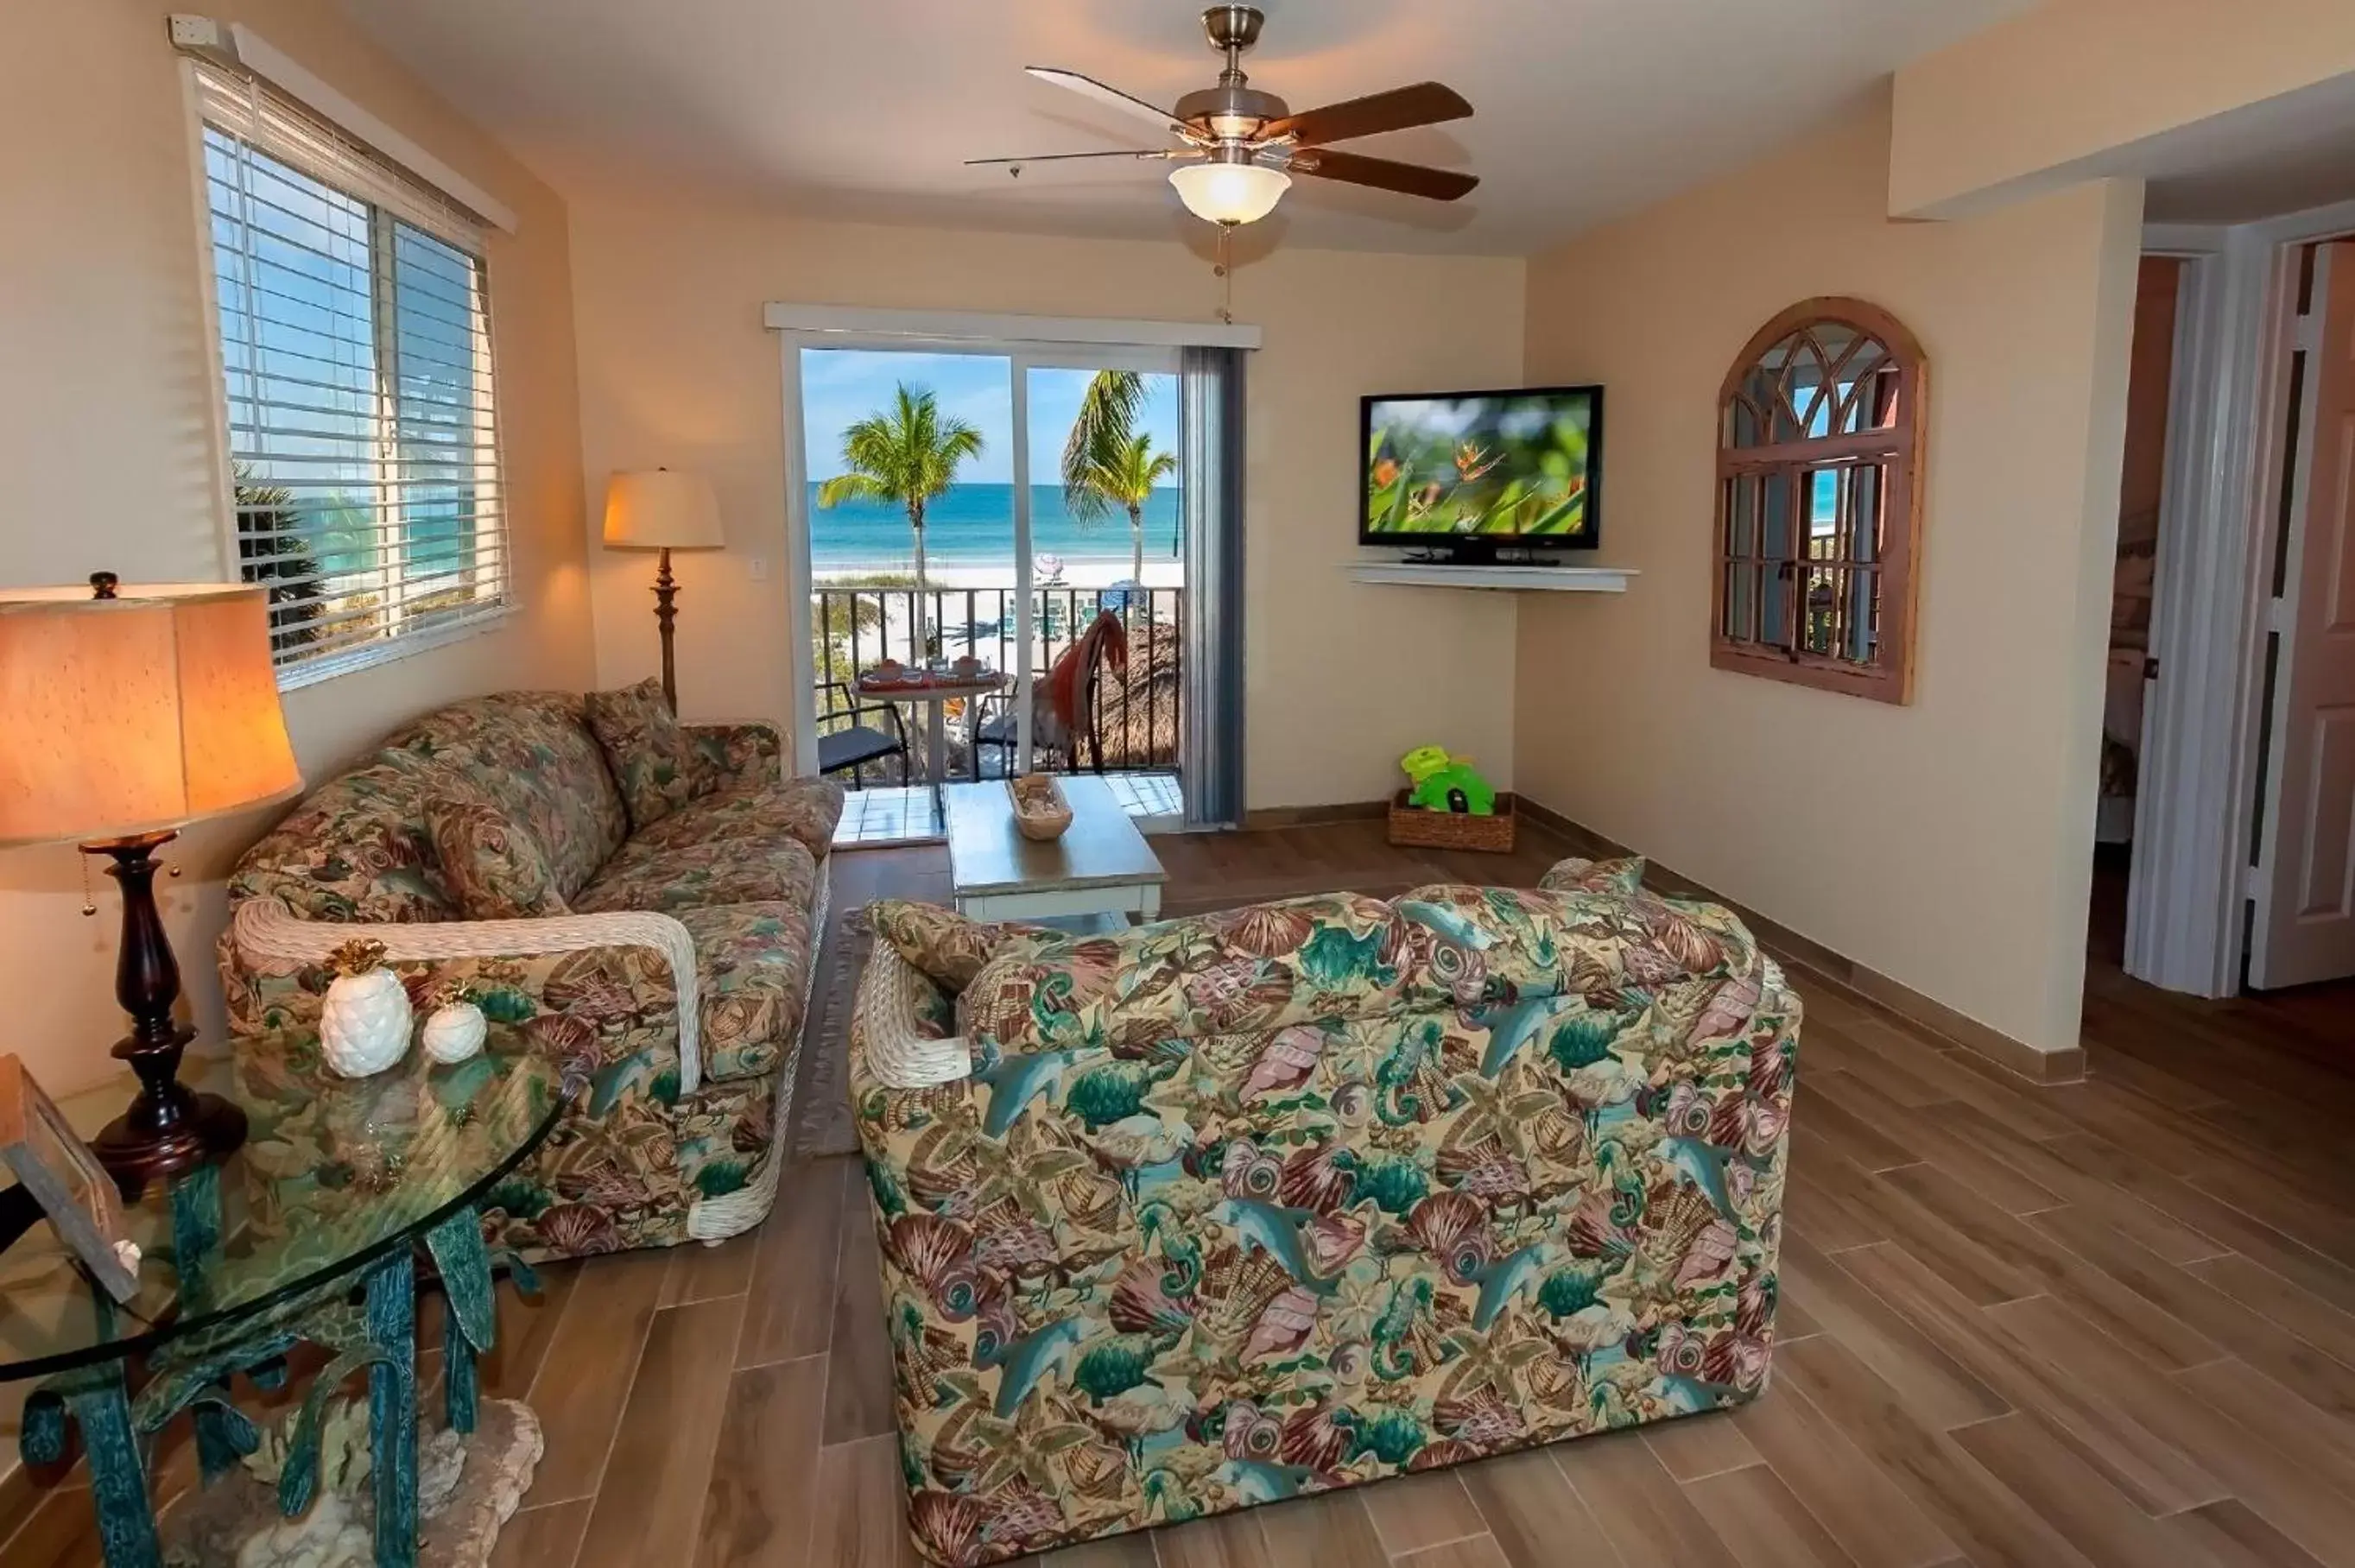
(908, 454)
(1111, 405)
(1120, 471)
(1108, 463)
(274, 548)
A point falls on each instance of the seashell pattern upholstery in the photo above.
(1240, 1208)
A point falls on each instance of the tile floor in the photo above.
(893, 815)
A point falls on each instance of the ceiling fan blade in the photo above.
(1382, 173)
(1401, 109)
(1059, 157)
(1089, 87)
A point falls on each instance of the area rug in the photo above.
(822, 1119)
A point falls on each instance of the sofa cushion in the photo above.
(948, 948)
(357, 847)
(747, 754)
(1574, 875)
(751, 968)
(671, 878)
(646, 748)
(493, 866)
(533, 751)
(807, 809)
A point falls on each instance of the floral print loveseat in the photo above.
(671, 987)
(1230, 1209)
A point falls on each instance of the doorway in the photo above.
(1011, 509)
(2131, 667)
(2241, 873)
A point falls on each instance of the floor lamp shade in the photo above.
(137, 713)
(661, 509)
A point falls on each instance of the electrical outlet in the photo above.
(757, 568)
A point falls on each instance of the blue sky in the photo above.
(841, 386)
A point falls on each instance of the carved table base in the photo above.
(468, 1490)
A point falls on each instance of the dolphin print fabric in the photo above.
(1244, 1207)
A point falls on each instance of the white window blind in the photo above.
(363, 431)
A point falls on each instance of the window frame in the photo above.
(1899, 450)
(393, 198)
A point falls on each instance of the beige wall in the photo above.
(2016, 105)
(1947, 843)
(107, 412)
(677, 369)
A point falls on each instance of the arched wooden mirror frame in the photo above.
(1831, 603)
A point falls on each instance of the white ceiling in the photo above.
(2286, 155)
(1586, 109)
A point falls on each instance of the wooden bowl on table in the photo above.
(1041, 813)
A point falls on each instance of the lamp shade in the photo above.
(136, 714)
(661, 509)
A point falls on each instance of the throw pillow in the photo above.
(645, 748)
(494, 868)
(1625, 878)
(947, 947)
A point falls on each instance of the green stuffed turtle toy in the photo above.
(1445, 782)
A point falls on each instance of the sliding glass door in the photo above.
(1107, 516)
(1021, 509)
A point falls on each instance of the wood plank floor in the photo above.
(2109, 1323)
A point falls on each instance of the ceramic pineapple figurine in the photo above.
(364, 1028)
(454, 1031)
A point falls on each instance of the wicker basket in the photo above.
(1041, 814)
(1421, 829)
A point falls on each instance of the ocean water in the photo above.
(972, 525)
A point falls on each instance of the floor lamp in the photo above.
(660, 509)
(128, 713)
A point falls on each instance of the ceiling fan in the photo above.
(1239, 147)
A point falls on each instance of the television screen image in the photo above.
(1484, 469)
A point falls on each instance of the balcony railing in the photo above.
(1138, 715)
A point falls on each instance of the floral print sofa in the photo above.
(671, 987)
(1225, 1210)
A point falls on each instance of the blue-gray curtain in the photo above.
(1211, 424)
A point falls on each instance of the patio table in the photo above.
(935, 691)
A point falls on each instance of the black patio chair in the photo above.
(995, 723)
(856, 745)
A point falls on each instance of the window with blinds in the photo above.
(356, 352)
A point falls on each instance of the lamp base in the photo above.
(168, 1128)
(143, 1145)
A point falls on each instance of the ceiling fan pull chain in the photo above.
(1226, 271)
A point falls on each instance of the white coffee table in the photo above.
(1100, 865)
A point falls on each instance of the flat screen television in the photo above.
(1467, 475)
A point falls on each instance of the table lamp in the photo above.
(128, 713)
(656, 508)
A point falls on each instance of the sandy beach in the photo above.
(1092, 573)
(984, 625)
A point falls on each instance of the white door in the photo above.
(2304, 886)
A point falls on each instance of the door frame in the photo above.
(1029, 342)
(2186, 905)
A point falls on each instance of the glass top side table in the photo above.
(339, 1183)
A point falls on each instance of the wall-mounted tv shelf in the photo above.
(1509, 579)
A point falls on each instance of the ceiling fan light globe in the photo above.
(1230, 193)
